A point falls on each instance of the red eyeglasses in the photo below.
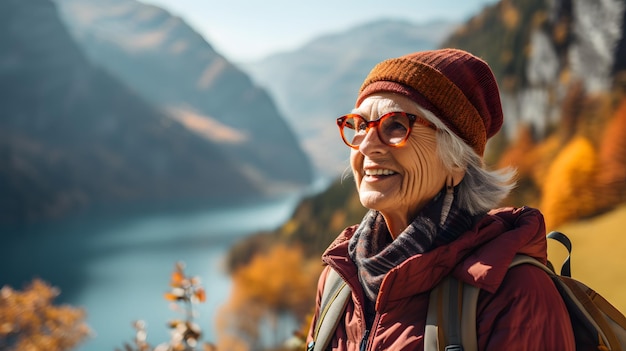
(393, 128)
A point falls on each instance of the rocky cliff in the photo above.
(539, 49)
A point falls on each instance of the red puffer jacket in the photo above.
(518, 309)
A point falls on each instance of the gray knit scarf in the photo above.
(375, 253)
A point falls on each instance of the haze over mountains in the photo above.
(146, 46)
(183, 125)
(318, 82)
(74, 137)
(114, 102)
(164, 60)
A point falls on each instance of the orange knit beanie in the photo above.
(456, 86)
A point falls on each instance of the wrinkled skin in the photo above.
(417, 172)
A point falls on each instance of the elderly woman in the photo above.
(417, 138)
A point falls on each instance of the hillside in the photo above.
(598, 254)
(76, 137)
(169, 64)
(558, 66)
(540, 49)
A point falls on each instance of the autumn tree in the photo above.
(275, 286)
(517, 155)
(568, 191)
(611, 179)
(29, 320)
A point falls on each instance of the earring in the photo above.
(447, 200)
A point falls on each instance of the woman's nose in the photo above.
(371, 142)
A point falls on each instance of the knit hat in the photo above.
(456, 86)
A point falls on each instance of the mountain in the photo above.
(319, 82)
(543, 48)
(169, 64)
(74, 138)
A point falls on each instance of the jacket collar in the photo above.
(480, 256)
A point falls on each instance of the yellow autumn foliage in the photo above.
(611, 179)
(509, 14)
(278, 282)
(29, 320)
(531, 160)
(568, 191)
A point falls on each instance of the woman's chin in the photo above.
(374, 200)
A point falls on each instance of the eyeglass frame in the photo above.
(375, 123)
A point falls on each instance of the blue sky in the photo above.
(246, 30)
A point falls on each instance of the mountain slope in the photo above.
(73, 138)
(172, 66)
(319, 82)
(539, 49)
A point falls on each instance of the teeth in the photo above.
(379, 171)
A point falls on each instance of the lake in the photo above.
(118, 270)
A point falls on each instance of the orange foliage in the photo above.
(541, 157)
(532, 161)
(276, 283)
(177, 278)
(573, 107)
(568, 191)
(510, 15)
(185, 333)
(584, 114)
(30, 321)
(516, 154)
(611, 180)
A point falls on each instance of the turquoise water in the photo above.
(118, 270)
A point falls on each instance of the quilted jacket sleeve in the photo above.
(318, 299)
(525, 313)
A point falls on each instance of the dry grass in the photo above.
(598, 254)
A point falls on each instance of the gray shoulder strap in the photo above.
(442, 328)
(523, 259)
(445, 331)
(334, 301)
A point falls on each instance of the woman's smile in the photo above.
(379, 172)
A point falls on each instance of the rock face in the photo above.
(319, 82)
(74, 136)
(540, 48)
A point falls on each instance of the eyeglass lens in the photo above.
(392, 128)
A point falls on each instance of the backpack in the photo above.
(597, 325)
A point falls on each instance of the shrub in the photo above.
(29, 320)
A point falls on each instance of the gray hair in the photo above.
(481, 189)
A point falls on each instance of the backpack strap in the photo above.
(334, 301)
(564, 240)
(443, 321)
(451, 318)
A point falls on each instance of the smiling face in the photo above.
(397, 181)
